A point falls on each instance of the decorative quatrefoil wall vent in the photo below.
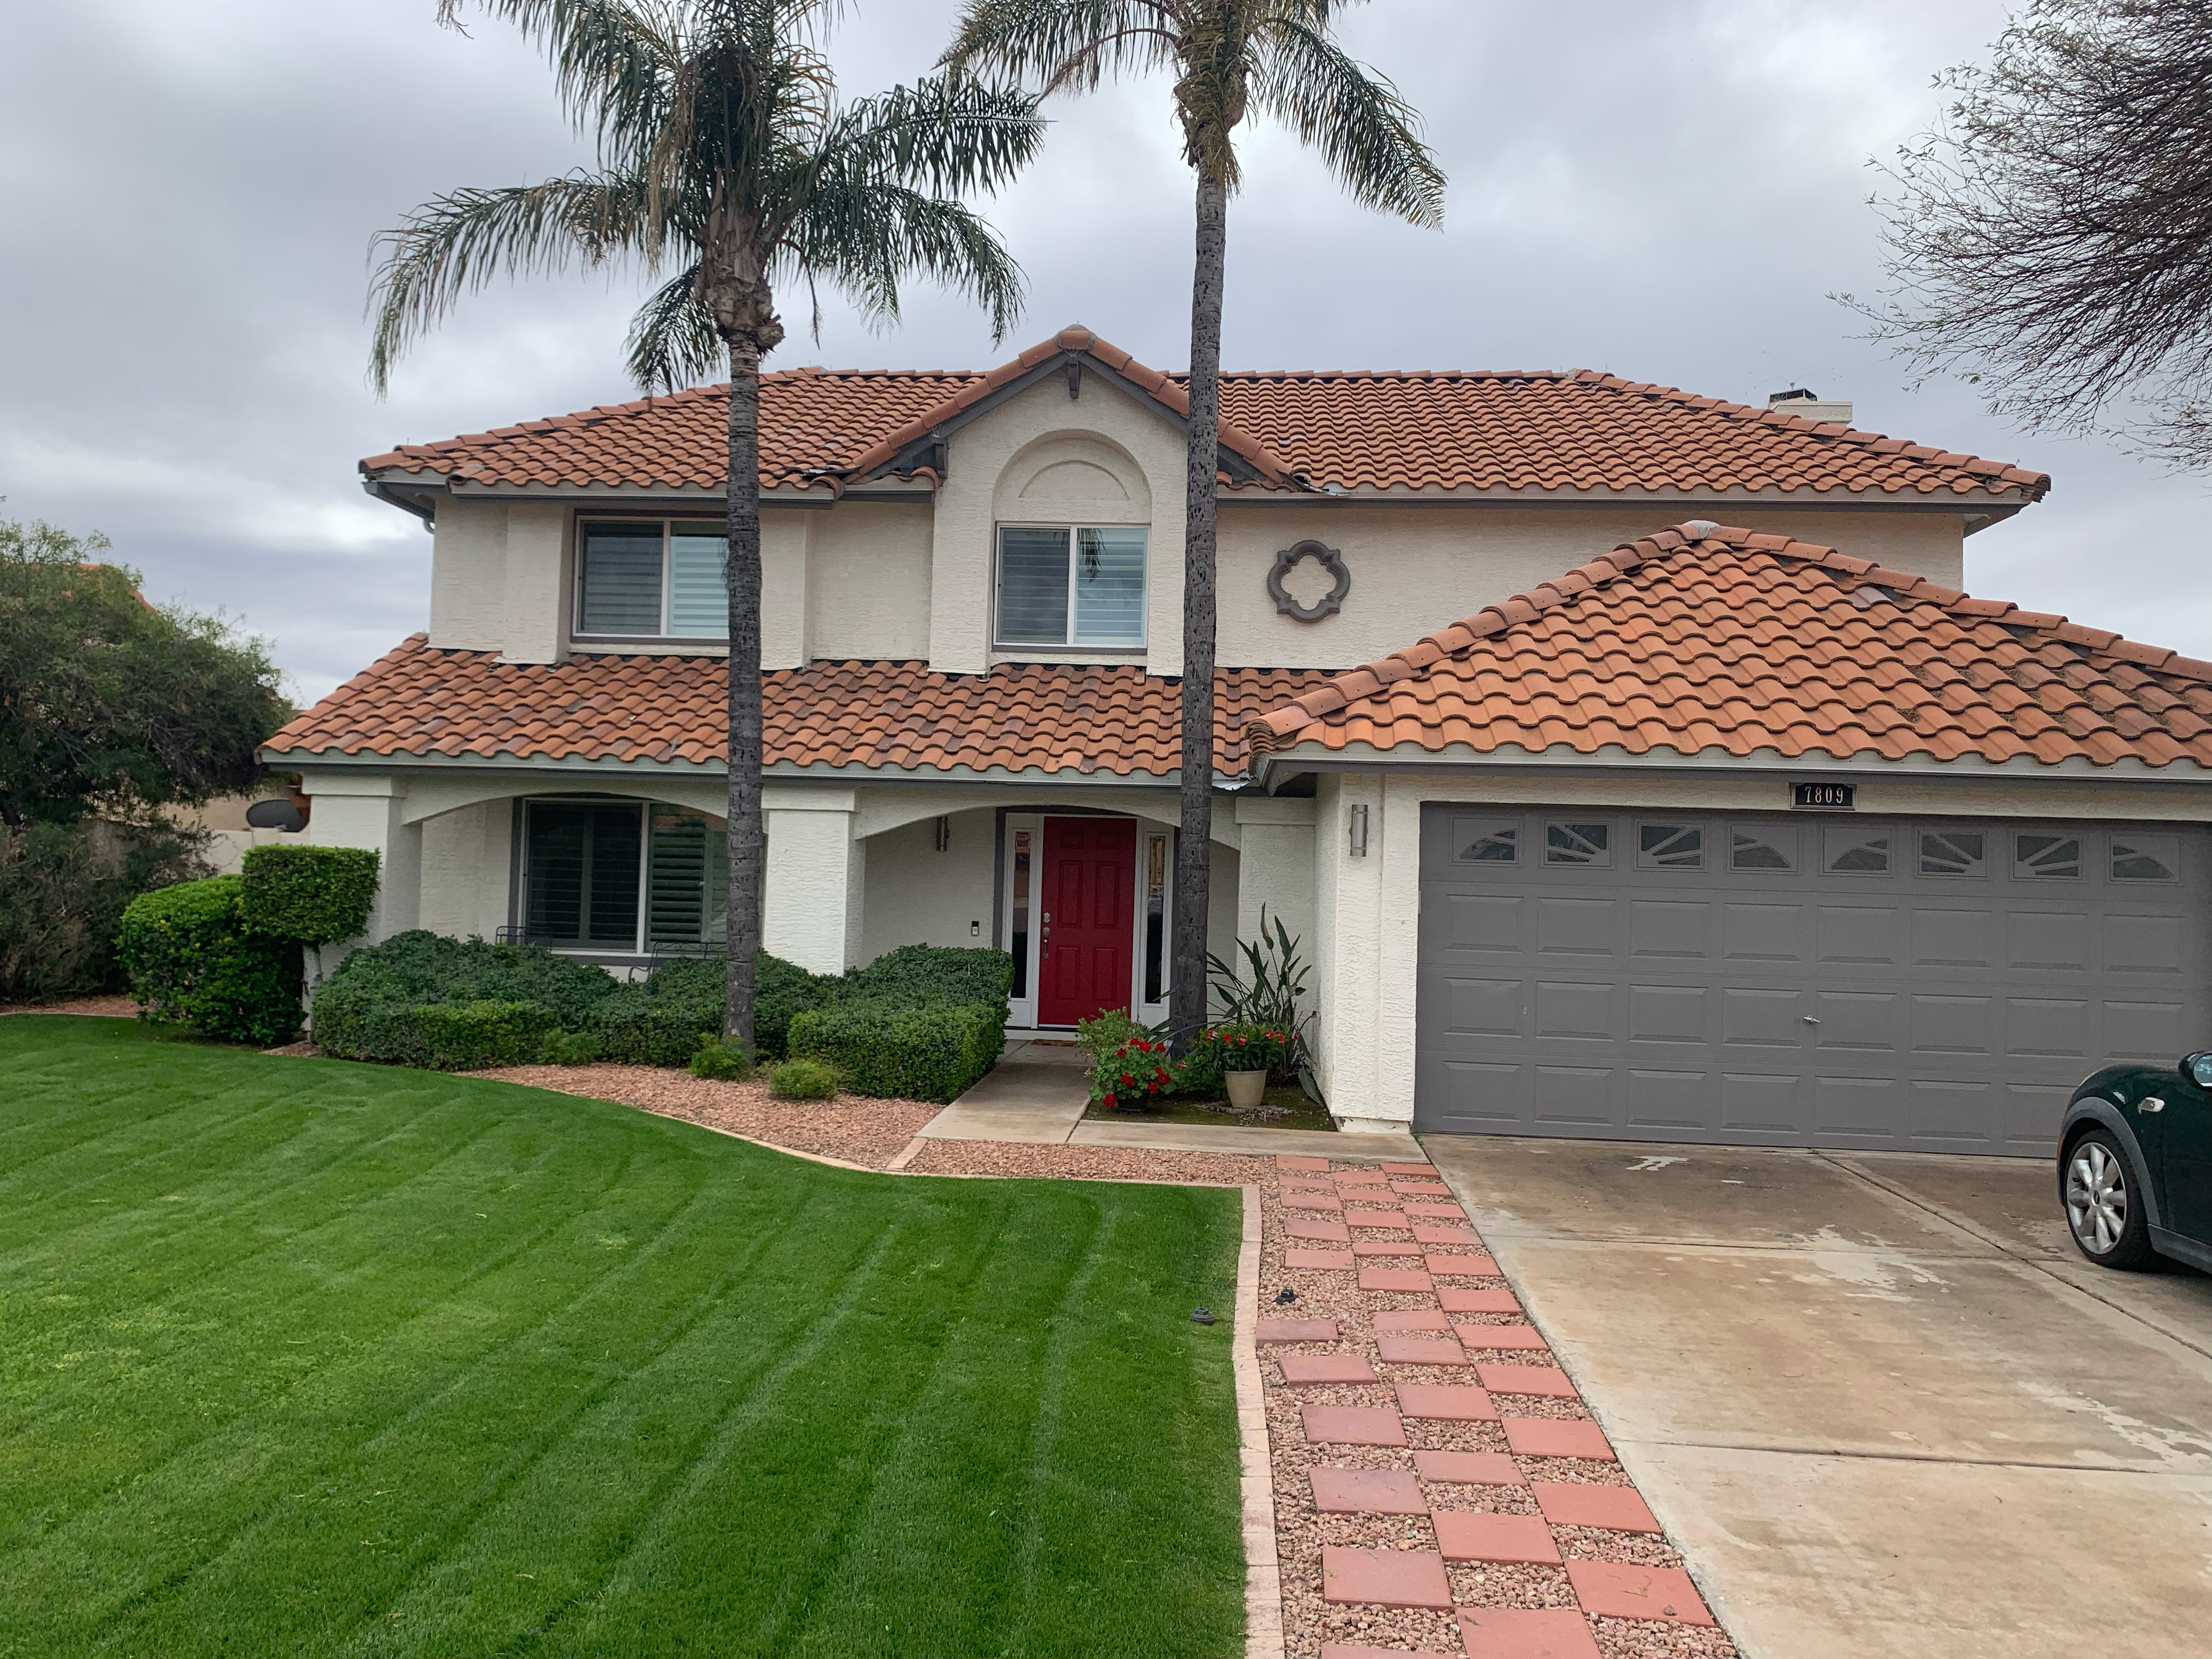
(1327, 559)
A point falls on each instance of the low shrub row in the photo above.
(920, 1022)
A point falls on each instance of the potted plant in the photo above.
(1248, 1052)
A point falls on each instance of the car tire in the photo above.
(2104, 1204)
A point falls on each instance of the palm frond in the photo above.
(1367, 135)
(612, 61)
(458, 242)
(672, 342)
(862, 235)
(945, 134)
(1067, 46)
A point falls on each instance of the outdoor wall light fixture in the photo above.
(1357, 829)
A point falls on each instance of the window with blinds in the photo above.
(1071, 586)
(623, 877)
(652, 578)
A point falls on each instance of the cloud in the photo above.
(1668, 192)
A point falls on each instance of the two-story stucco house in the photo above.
(1764, 834)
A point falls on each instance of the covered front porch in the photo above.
(627, 870)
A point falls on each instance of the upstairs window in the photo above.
(652, 579)
(1070, 585)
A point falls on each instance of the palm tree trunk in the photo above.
(1202, 457)
(747, 843)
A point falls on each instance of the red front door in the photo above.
(1090, 917)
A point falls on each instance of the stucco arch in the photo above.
(1074, 475)
(431, 797)
(882, 811)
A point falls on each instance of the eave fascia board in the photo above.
(1614, 760)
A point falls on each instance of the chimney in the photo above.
(1810, 406)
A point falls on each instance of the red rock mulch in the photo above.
(855, 1130)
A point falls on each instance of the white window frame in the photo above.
(667, 574)
(1066, 641)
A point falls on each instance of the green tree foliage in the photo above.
(63, 889)
(110, 706)
(724, 151)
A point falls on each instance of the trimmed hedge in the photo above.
(659, 1022)
(317, 894)
(448, 1036)
(422, 1000)
(193, 961)
(893, 1048)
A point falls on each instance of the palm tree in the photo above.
(722, 148)
(1228, 57)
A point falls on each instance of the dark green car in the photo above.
(2135, 1164)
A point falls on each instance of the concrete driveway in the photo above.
(1877, 1400)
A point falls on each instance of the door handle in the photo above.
(2151, 1104)
(1809, 1020)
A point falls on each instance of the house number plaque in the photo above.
(1824, 796)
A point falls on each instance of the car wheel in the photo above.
(2103, 1210)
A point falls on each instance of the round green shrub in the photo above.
(803, 1079)
(193, 961)
(716, 1058)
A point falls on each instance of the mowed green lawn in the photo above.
(305, 1358)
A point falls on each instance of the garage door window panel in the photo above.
(1670, 847)
(2046, 858)
(1579, 843)
(1773, 850)
(1487, 843)
(1954, 852)
(1848, 850)
(2146, 858)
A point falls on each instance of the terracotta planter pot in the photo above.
(1246, 1089)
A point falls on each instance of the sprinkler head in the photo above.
(1200, 1317)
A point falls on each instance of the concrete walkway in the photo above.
(1877, 1400)
(1035, 1095)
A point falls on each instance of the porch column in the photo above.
(1275, 869)
(350, 809)
(817, 877)
(1349, 932)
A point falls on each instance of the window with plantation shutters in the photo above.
(623, 877)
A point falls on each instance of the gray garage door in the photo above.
(1776, 979)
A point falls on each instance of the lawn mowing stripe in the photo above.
(744, 1409)
(387, 1426)
(555, 1433)
(828, 1543)
(211, 1280)
(642, 1426)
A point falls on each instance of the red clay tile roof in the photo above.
(1702, 639)
(659, 710)
(1473, 433)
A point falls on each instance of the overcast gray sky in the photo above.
(1666, 191)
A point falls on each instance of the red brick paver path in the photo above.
(1440, 1488)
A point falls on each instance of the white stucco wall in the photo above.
(1416, 569)
(962, 541)
(868, 575)
(468, 576)
(919, 895)
(536, 591)
(467, 863)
